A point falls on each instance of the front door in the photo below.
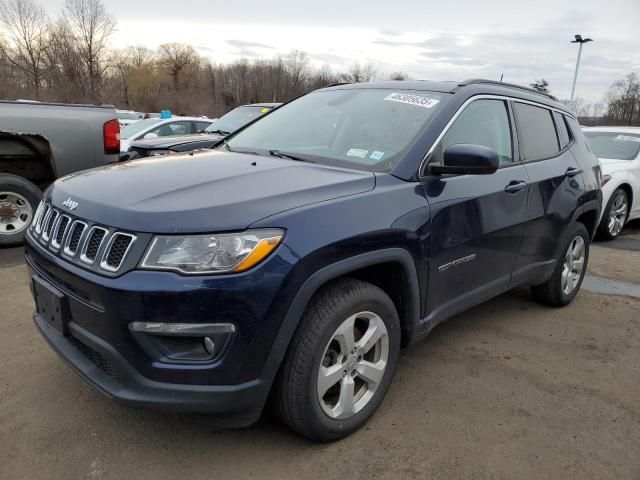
(476, 220)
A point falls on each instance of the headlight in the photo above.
(223, 253)
(604, 180)
(156, 153)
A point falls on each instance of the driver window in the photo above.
(483, 122)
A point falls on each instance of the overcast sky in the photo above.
(445, 40)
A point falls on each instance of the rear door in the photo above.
(477, 220)
(555, 187)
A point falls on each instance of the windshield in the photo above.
(364, 128)
(237, 118)
(134, 128)
(618, 146)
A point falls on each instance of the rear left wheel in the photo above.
(569, 273)
(340, 362)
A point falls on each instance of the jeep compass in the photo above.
(290, 264)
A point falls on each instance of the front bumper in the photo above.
(98, 345)
(100, 365)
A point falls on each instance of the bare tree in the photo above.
(360, 73)
(177, 58)
(624, 101)
(26, 24)
(91, 27)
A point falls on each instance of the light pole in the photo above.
(580, 40)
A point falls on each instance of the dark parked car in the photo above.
(295, 260)
(212, 135)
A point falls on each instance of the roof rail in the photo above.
(337, 84)
(476, 81)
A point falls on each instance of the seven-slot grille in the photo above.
(76, 239)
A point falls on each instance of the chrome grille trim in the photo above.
(103, 263)
(59, 232)
(49, 223)
(87, 242)
(43, 215)
(67, 250)
(54, 237)
(38, 214)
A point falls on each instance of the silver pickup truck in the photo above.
(40, 142)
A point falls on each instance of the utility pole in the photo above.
(581, 41)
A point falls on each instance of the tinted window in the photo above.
(563, 132)
(483, 122)
(169, 129)
(536, 132)
(614, 145)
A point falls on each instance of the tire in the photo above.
(615, 215)
(317, 347)
(553, 291)
(19, 199)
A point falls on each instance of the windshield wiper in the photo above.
(290, 156)
(219, 132)
(226, 145)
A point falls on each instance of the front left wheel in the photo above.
(340, 362)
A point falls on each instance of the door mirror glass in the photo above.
(467, 159)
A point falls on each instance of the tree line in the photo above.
(68, 58)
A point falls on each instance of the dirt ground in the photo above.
(508, 390)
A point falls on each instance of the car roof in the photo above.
(176, 118)
(614, 129)
(471, 87)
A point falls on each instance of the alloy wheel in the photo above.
(353, 365)
(15, 213)
(617, 215)
(573, 265)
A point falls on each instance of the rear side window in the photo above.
(536, 132)
(482, 122)
(563, 132)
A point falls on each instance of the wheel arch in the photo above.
(27, 156)
(355, 267)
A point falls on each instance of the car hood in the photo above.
(206, 191)
(168, 142)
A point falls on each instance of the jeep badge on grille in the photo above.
(70, 204)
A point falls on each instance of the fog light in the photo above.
(182, 342)
(209, 346)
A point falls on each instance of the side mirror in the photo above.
(150, 135)
(467, 159)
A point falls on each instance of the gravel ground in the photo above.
(508, 390)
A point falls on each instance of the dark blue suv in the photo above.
(292, 262)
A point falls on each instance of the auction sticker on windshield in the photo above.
(357, 152)
(410, 99)
(628, 138)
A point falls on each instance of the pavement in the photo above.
(507, 390)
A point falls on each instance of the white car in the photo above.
(618, 149)
(127, 117)
(161, 127)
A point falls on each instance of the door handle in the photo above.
(571, 172)
(515, 186)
